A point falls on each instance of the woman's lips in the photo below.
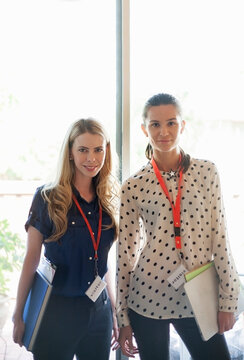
(90, 168)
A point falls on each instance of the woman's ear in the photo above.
(144, 130)
(183, 124)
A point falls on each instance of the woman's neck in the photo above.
(167, 161)
(85, 187)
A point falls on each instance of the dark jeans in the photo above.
(152, 337)
(75, 326)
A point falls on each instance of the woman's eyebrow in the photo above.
(171, 119)
(87, 148)
(174, 118)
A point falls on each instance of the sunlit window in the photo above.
(57, 65)
(192, 50)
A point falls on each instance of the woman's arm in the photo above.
(224, 262)
(110, 280)
(31, 261)
(110, 275)
(128, 248)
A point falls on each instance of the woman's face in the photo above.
(88, 153)
(163, 127)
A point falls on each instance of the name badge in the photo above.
(96, 289)
(177, 278)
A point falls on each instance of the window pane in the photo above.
(192, 50)
(57, 65)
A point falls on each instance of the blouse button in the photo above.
(88, 282)
(90, 258)
(89, 213)
(73, 222)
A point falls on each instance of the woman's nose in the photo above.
(91, 157)
(163, 130)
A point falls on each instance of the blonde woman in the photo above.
(74, 219)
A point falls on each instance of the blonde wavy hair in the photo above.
(59, 193)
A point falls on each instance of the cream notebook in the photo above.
(202, 292)
(202, 289)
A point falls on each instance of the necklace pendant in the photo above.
(172, 173)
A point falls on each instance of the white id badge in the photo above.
(96, 289)
(177, 278)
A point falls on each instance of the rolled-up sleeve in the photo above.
(38, 215)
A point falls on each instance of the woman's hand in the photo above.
(115, 337)
(18, 331)
(226, 321)
(126, 342)
(31, 261)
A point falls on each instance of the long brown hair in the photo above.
(59, 193)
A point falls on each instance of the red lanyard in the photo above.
(94, 242)
(176, 207)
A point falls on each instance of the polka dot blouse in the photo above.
(147, 252)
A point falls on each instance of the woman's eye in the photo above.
(82, 150)
(99, 150)
(155, 124)
(171, 123)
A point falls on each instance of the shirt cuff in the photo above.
(228, 305)
(123, 318)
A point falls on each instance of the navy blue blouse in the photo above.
(73, 254)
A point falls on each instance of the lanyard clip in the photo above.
(177, 230)
(177, 237)
(95, 267)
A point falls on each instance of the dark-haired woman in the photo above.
(176, 201)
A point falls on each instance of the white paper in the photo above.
(96, 288)
(47, 269)
(177, 278)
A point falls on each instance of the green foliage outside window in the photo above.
(11, 254)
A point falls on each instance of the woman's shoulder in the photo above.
(203, 164)
(38, 197)
(139, 176)
(38, 191)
